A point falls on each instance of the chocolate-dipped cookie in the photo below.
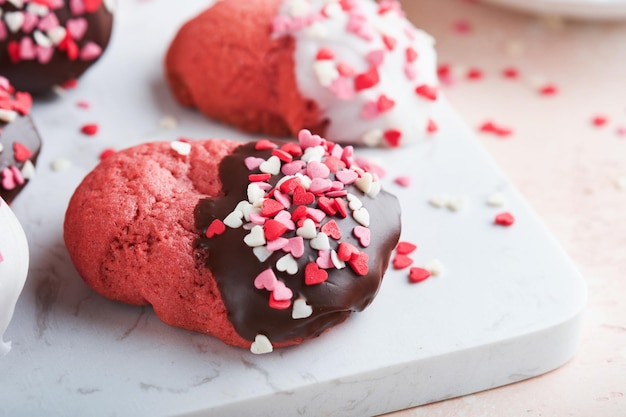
(44, 43)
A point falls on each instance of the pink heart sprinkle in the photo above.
(281, 292)
(285, 218)
(282, 198)
(77, 7)
(343, 88)
(307, 140)
(295, 247)
(337, 193)
(77, 27)
(266, 280)
(363, 234)
(316, 169)
(370, 110)
(90, 52)
(30, 21)
(337, 151)
(376, 58)
(3, 31)
(277, 244)
(48, 22)
(410, 71)
(27, 49)
(8, 182)
(253, 163)
(17, 175)
(257, 218)
(324, 260)
(292, 168)
(347, 176)
(403, 181)
(320, 185)
(44, 54)
(336, 186)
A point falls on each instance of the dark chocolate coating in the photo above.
(235, 266)
(22, 130)
(36, 78)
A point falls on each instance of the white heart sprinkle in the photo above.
(496, 200)
(28, 170)
(57, 34)
(439, 201)
(287, 264)
(333, 9)
(261, 345)
(255, 238)
(247, 209)
(373, 138)
(307, 231)
(168, 122)
(374, 189)
(60, 164)
(234, 219)
(17, 3)
(14, 20)
(271, 166)
(314, 153)
(37, 9)
(262, 253)
(457, 203)
(339, 264)
(435, 267)
(255, 194)
(111, 5)
(325, 71)
(7, 116)
(317, 31)
(365, 182)
(301, 310)
(320, 242)
(41, 39)
(354, 202)
(181, 148)
(362, 216)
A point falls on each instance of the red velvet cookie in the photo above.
(355, 72)
(262, 245)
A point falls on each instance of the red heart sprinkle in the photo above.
(418, 274)
(271, 208)
(426, 91)
(334, 164)
(411, 54)
(106, 153)
(282, 155)
(505, 219)
(301, 197)
(264, 145)
(510, 73)
(279, 305)
(313, 275)
(69, 84)
(22, 103)
(273, 229)
(402, 261)
(13, 49)
(292, 148)
(259, 177)
(341, 207)
(346, 250)
(345, 70)
(358, 263)
(384, 103)
(332, 230)
(404, 248)
(491, 127)
(548, 90)
(324, 54)
(327, 205)
(299, 213)
(20, 152)
(217, 227)
(390, 42)
(599, 121)
(393, 136)
(92, 5)
(90, 129)
(366, 80)
(289, 185)
(431, 126)
(474, 74)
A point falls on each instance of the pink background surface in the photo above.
(572, 172)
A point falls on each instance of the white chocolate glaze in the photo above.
(13, 268)
(338, 40)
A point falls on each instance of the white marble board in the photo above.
(507, 308)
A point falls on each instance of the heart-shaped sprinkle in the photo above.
(76, 27)
(273, 229)
(358, 263)
(278, 304)
(365, 182)
(292, 148)
(313, 275)
(261, 253)
(337, 263)
(28, 170)
(325, 53)
(366, 80)
(8, 181)
(299, 213)
(301, 310)
(347, 176)
(390, 42)
(277, 244)
(293, 168)
(91, 6)
(384, 103)
(253, 163)
(340, 205)
(327, 205)
(44, 54)
(370, 110)
(316, 215)
(27, 49)
(435, 267)
(320, 242)
(410, 71)
(307, 140)
(261, 345)
(320, 185)
(342, 88)
(496, 200)
(363, 234)
(504, 219)
(307, 230)
(266, 280)
(362, 216)
(325, 72)
(417, 274)
(411, 54)
(287, 264)
(316, 169)
(373, 137)
(403, 181)
(393, 137)
(323, 260)
(181, 148)
(354, 202)
(402, 261)
(301, 197)
(256, 218)
(256, 237)
(20, 152)
(271, 166)
(346, 250)
(255, 194)
(427, 92)
(295, 246)
(271, 208)
(30, 21)
(375, 58)
(57, 34)
(405, 248)
(331, 229)
(14, 20)
(48, 22)
(216, 228)
(374, 189)
(281, 292)
(282, 155)
(285, 218)
(234, 220)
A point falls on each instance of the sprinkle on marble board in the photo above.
(90, 129)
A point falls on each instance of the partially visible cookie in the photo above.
(262, 245)
(355, 72)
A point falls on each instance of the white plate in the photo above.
(577, 9)
(507, 308)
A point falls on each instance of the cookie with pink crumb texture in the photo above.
(262, 245)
